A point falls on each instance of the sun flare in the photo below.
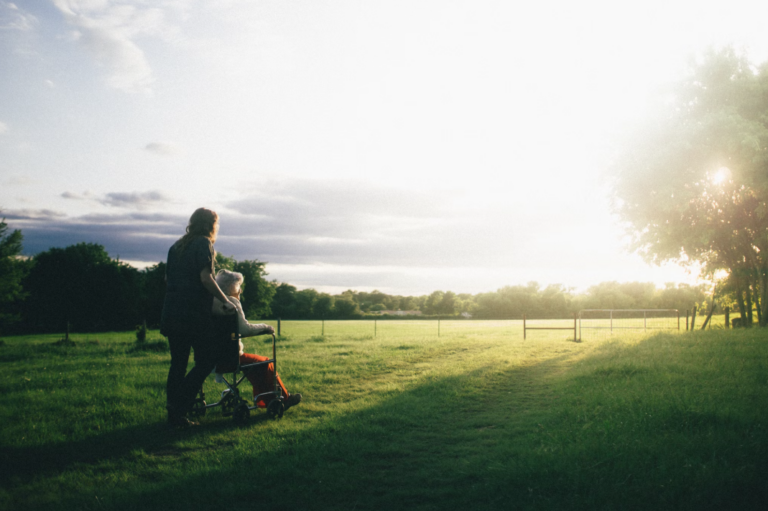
(722, 175)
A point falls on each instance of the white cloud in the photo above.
(19, 181)
(3, 128)
(13, 18)
(108, 29)
(162, 148)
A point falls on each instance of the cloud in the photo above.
(3, 128)
(78, 196)
(162, 148)
(307, 222)
(134, 236)
(138, 200)
(19, 181)
(34, 215)
(107, 30)
(132, 200)
(456, 249)
(13, 18)
(359, 223)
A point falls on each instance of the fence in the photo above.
(596, 323)
(398, 328)
(549, 324)
(589, 324)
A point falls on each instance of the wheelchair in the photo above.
(232, 403)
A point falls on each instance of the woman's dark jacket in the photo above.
(187, 306)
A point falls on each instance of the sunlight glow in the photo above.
(722, 175)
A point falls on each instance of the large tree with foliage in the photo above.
(12, 271)
(693, 183)
(82, 286)
(257, 291)
(153, 294)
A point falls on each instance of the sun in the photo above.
(722, 175)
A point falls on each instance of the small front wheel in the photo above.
(275, 409)
(242, 413)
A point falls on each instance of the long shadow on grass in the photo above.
(420, 417)
(484, 439)
(17, 465)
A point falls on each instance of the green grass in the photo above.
(476, 418)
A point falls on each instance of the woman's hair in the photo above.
(228, 281)
(203, 222)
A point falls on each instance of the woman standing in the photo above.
(186, 318)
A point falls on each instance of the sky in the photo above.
(404, 146)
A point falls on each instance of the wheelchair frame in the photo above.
(232, 403)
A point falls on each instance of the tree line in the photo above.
(82, 288)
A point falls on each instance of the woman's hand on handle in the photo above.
(209, 283)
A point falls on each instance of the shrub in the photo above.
(141, 332)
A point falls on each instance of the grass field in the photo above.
(475, 418)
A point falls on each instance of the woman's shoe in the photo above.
(179, 422)
(292, 400)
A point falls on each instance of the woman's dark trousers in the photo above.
(182, 387)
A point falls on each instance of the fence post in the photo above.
(693, 319)
(374, 328)
(278, 327)
(709, 315)
(579, 325)
(687, 312)
(438, 326)
(678, 320)
(323, 328)
(727, 317)
(574, 327)
(524, 329)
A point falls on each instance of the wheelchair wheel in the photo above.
(228, 405)
(275, 409)
(241, 413)
(198, 407)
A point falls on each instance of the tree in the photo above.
(346, 308)
(224, 263)
(284, 301)
(447, 304)
(257, 291)
(305, 303)
(432, 304)
(693, 184)
(12, 271)
(80, 285)
(324, 305)
(617, 295)
(153, 294)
